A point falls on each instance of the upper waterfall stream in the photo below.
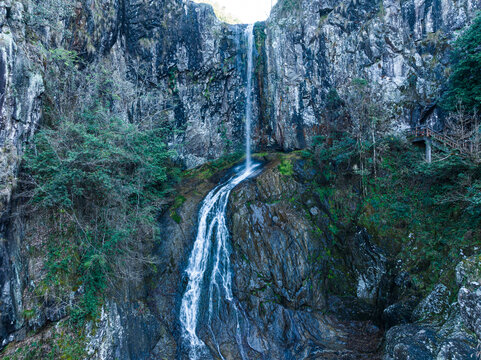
(209, 271)
(250, 47)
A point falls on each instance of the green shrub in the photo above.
(96, 178)
(286, 168)
(427, 215)
(465, 82)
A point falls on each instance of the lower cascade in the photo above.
(209, 273)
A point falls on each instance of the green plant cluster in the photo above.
(289, 6)
(465, 82)
(427, 215)
(96, 177)
(431, 212)
(58, 345)
(286, 168)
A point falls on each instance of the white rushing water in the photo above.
(250, 47)
(209, 267)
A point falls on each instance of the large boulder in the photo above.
(434, 305)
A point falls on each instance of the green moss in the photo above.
(206, 171)
(289, 6)
(382, 10)
(59, 343)
(260, 155)
(29, 313)
(176, 217)
(286, 168)
(178, 202)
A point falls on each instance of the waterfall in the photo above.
(209, 274)
(250, 48)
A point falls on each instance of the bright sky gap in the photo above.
(243, 11)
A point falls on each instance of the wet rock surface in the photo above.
(280, 279)
(279, 286)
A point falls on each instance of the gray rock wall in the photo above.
(21, 88)
(195, 70)
(401, 47)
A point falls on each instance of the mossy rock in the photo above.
(469, 270)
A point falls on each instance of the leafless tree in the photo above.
(368, 123)
(464, 128)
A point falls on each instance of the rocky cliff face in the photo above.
(401, 47)
(291, 299)
(21, 87)
(289, 265)
(304, 290)
(188, 72)
(195, 68)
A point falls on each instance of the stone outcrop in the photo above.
(287, 281)
(193, 69)
(193, 73)
(468, 276)
(443, 330)
(21, 88)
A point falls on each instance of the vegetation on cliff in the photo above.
(465, 82)
(97, 179)
(426, 214)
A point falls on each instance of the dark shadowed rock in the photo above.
(397, 314)
(400, 47)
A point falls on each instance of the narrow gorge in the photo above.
(176, 184)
